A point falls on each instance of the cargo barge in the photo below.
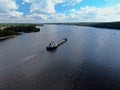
(53, 45)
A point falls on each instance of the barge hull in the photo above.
(61, 41)
(57, 44)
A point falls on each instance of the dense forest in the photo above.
(15, 29)
(109, 25)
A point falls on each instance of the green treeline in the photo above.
(4, 33)
(109, 25)
(25, 29)
(14, 29)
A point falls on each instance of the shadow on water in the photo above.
(6, 39)
(94, 76)
(52, 51)
(87, 76)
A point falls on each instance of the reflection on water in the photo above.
(89, 60)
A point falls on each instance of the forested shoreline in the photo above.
(15, 29)
(109, 25)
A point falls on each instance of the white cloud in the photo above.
(28, 1)
(37, 16)
(7, 5)
(45, 11)
(58, 16)
(43, 7)
(12, 16)
(8, 10)
(15, 14)
(96, 14)
(48, 6)
(72, 2)
(55, 17)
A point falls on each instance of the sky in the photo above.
(54, 11)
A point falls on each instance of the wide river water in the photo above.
(89, 60)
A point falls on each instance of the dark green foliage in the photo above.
(4, 33)
(110, 25)
(25, 29)
(7, 30)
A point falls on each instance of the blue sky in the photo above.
(41, 11)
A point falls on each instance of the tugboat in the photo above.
(53, 45)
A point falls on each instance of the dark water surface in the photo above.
(89, 60)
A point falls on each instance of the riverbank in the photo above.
(7, 37)
(14, 29)
(108, 25)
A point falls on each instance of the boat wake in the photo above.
(30, 57)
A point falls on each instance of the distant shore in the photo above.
(11, 30)
(109, 25)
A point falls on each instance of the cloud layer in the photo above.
(45, 11)
(88, 13)
(7, 5)
(8, 10)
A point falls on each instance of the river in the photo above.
(89, 60)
